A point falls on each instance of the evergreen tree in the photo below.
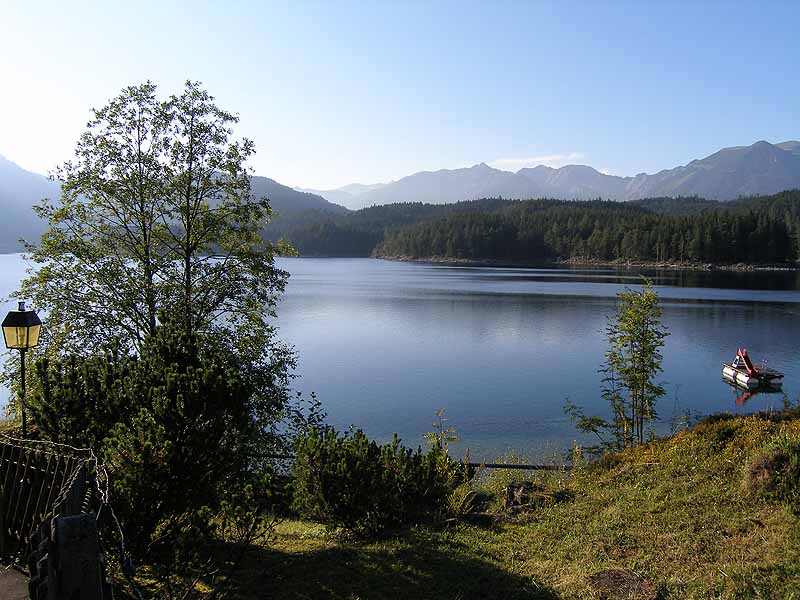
(177, 424)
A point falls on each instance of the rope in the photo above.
(102, 482)
(22, 443)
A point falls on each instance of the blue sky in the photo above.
(340, 92)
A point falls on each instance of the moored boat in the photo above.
(743, 372)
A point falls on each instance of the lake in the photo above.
(384, 344)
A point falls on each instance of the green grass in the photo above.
(675, 512)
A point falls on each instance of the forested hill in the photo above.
(763, 229)
(358, 233)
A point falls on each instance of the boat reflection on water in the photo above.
(742, 394)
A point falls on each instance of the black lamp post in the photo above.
(21, 330)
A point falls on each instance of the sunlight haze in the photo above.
(337, 93)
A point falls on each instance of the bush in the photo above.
(78, 400)
(175, 425)
(775, 474)
(351, 482)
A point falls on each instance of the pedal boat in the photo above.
(744, 373)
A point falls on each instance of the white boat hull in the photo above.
(740, 377)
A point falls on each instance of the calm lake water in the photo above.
(384, 344)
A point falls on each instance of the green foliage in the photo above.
(176, 425)
(441, 436)
(463, 500)
(351, 482)
(77, 400)
(633, 360)
(762, 229)
(199, 553)
(775, 473)
(156, 214)
(449, 471)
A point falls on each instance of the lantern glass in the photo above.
(21, 329)
(16, 337)
(33, 335)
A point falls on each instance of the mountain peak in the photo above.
(763, 148)
(760, 168)
(536, 169)
(791, 146)
(579, 168)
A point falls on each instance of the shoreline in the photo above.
(591, 262)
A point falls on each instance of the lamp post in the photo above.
(21, 330)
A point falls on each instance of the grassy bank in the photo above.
(678, 512)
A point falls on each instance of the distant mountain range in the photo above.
(346, 195)
(20, 190)
(762, 168)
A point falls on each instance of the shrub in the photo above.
(775, 473)
(175, 425)
(78, 400)
(346, 480)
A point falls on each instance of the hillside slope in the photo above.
(285, 200)
(20, 190)
(678, 513)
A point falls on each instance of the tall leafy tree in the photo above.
(156, 214)
(100, 263)
(223, 276)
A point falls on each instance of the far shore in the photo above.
(565, 262)
(591, 262)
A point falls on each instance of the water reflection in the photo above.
(742, 395)
(385, 344)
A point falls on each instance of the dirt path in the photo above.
(13, 585)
